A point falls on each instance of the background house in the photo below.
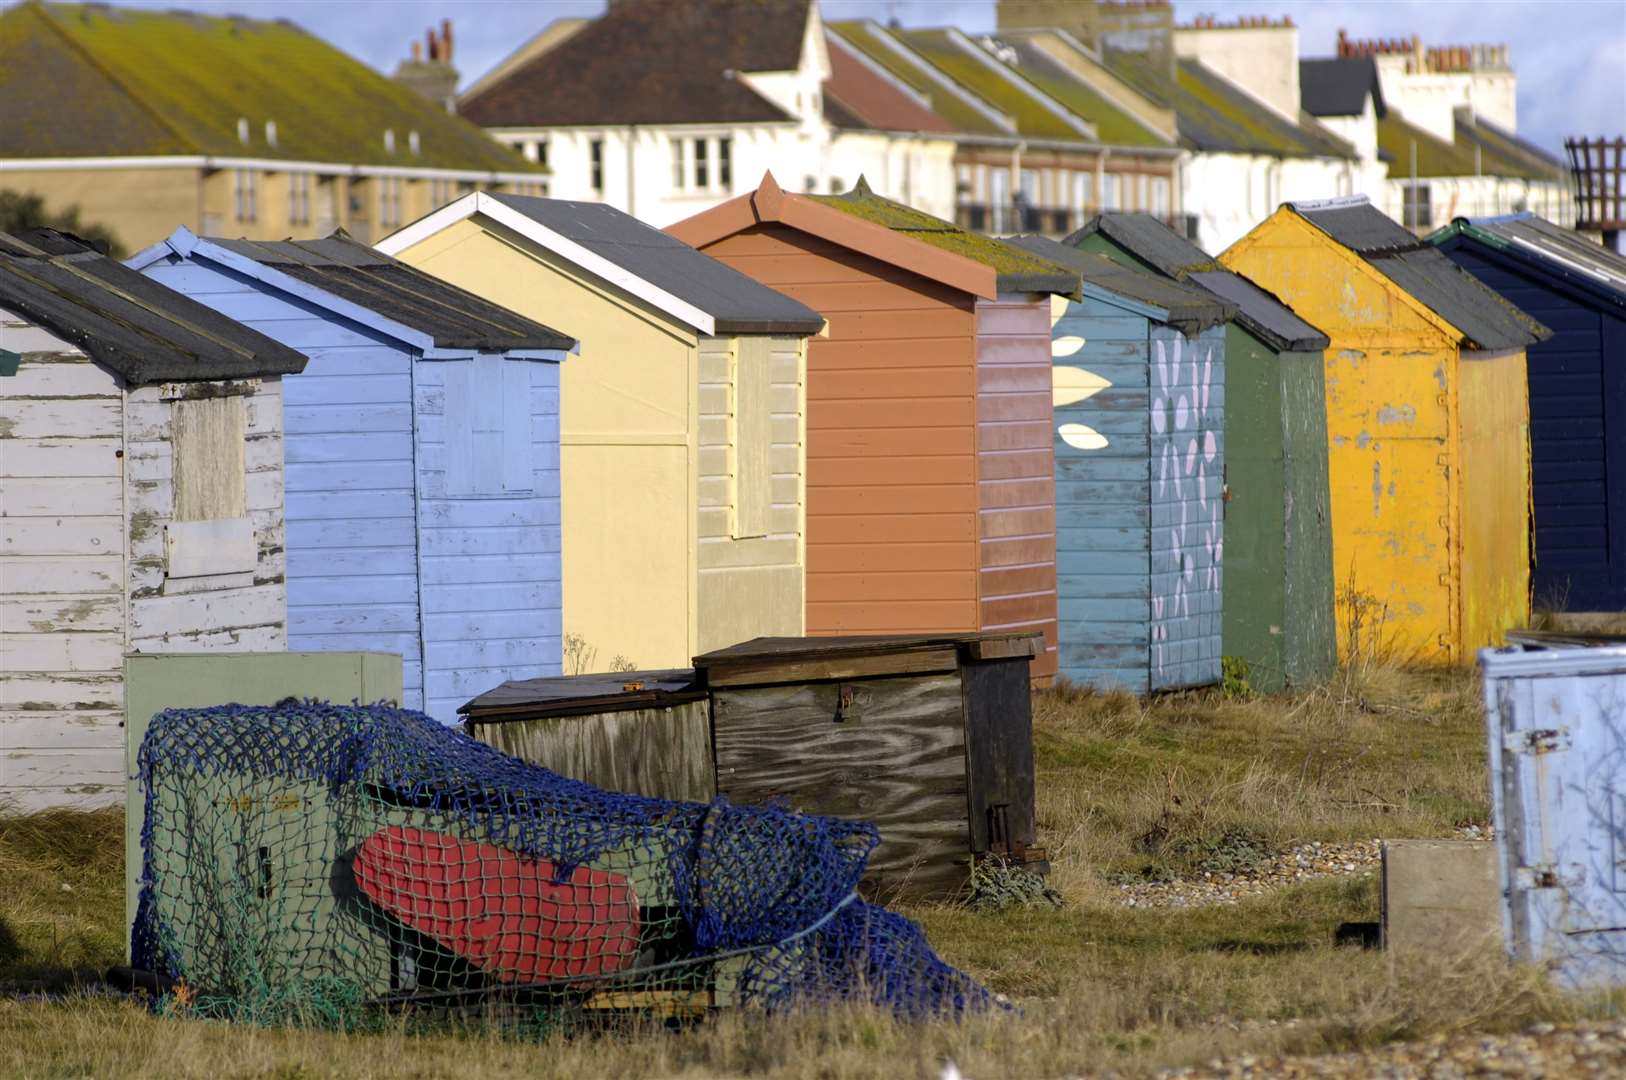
(147, 119)
(141, 467)
(1445, 123)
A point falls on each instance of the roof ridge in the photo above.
(44, 11)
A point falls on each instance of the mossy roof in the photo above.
(1114, 126)
(1018, 270)
(92, 80)
(1499, 154)
(1215, 115)
(866, 37)
(948, 54)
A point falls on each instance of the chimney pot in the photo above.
(417, 52)
(446, 39)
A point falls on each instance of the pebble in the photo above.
(1303, 862)
(1545, 1050)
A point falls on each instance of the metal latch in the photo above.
(1547, 876)
(1537, 741)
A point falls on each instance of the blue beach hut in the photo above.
(422, 450)
(1139, 396)
(1576, 288)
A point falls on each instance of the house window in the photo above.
(389, 201)
(753, 437)
(595, 167)
(1416, 212)
(1160, 196)
(1143, 184)
(299, 198)
(1081, 191)
(999, 199)
(440, 193)
(725, 163)
(1111, 191)
(488, 426)
(245, 193)
(678, 171)
(702, 164)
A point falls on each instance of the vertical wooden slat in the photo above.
(516, 426)
(753, 414)
(210, 472)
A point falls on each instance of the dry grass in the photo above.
(1125, 785)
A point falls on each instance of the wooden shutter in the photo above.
(488, 427)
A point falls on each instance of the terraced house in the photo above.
(1444, 121)
(247, 127)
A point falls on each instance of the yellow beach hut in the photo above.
(683, 423)
(1428, 429)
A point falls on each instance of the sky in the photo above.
(1570, 55)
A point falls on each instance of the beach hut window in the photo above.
(210, 473)
(488, 427)
(753, 423)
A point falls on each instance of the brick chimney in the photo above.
(432, 75)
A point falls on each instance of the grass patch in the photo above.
(1170, 785)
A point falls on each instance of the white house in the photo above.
(141, 476)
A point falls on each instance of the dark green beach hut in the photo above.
(1277, 628)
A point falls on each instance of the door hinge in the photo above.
(1537, 741)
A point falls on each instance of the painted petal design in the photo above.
(1058, 308)
(1070, 385)
(1081, 437)
(1066, 345)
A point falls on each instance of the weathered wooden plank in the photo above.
(663, 753)
(62, 457)
(797, 669)
(70, 417)
(77, 378)
(999, 747)
(896, 758)
(49, 613)
(61, 730)
(60, 536)
(179, 617)
(96, 651)
(61, 692)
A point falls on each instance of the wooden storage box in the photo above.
(929, 737)
(643, 732)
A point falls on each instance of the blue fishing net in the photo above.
(311, 862)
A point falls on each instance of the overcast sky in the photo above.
(1570, 55)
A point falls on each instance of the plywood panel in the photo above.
(897, 758)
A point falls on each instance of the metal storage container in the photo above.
(1556, 721)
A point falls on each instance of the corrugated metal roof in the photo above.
(1560, 251)
(1190, 309)
(739, 304)
(1340, 85)
(454, 318)
(1166, 251)
(1018, 270)
(143, 331)
(1484, 318)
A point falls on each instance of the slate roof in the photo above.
(963, 62)
(914, 71)
(1486, 320)
(1018, 270)
(1536, 241)
(1190, 309)
(858, 96)
(1172, 255)
(1114, 126)
(1340, 85)
(652, 62)
(454, 318)
(142, 331)
(1500, 153)
(1215, 115)
(739, 304)
(97, 81)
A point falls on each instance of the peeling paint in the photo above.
(1404, 414)
(1363, 440)
(1377, 488)
(7, 426)
(142, 523)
